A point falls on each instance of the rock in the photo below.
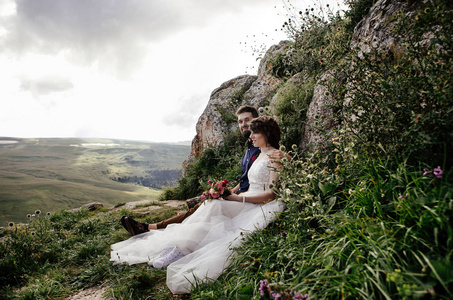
(257, 94)
(219, 115)
(372, 33)
(374, 30)
(212, 125)
(318, 110)
(89, 206)
(93, 293)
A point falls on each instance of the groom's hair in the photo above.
(247, 108)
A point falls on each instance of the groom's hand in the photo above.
(276, 156)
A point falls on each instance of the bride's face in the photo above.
(258, 139)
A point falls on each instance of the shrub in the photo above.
(218, 162)
(402, 101)
(290, 108)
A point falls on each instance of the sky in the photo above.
(125, 69)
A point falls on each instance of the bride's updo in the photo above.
(269, 127)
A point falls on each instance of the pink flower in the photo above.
(216, 189)
(437, 172)
(220, 186)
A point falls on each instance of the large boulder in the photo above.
(213, 125)
(319, 111)
(218, 117)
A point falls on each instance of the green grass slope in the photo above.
(55, 174)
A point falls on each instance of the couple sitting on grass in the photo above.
(196, 246)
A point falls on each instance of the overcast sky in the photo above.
(128, 69)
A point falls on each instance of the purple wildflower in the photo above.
(426, 172)
(437, 172)
(299, 296)
(263, 286)
(283, 234)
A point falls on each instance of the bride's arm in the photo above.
(235, 189)
(263, 197)
(257, 199)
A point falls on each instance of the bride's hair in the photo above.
(269, 127)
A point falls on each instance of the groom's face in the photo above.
(244, 120)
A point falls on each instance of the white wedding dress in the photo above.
(206, 238)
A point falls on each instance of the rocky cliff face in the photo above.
(218, 117)
(372, 31)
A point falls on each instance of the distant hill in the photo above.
(51, 174)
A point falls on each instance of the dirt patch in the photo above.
(94, 293)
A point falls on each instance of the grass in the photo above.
(64, 252)
(366, 248)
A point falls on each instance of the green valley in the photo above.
(51, 174)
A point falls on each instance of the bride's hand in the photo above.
(231, 197)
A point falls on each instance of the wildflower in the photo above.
(28, 216)
(437, 172)
(283, 234)
(260, 110)
(282, 148)
(263, 286)
(38, 212)
(426, 172)
(299, 296)
(49, 213)
(11, 224)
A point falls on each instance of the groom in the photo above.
(245, 114)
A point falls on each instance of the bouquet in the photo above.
(216, 190)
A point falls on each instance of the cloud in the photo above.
(114, 33)
(45, 85)
(187, 111)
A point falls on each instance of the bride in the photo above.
(199, 249)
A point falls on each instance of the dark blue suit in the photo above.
(246, 162)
